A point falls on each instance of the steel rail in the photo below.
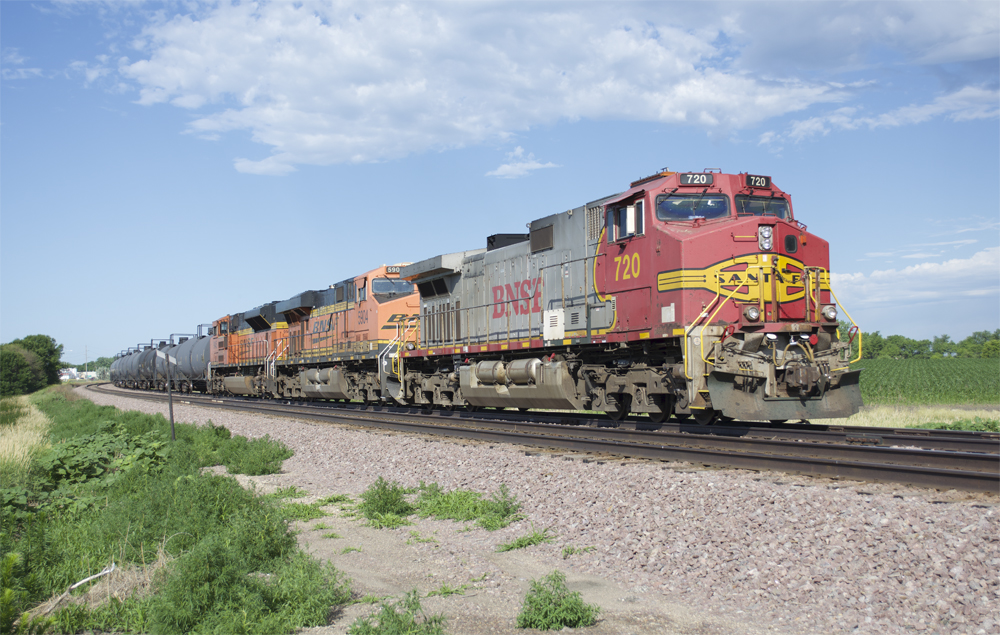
(928, 468)
(945, 440)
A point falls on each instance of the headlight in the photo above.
(764, 240)
(830, 313)
(751, 313)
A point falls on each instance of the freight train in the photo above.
(690, 294)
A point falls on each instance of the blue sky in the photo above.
(164, 164)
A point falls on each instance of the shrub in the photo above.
(550, 605)
(404, 616)
(493, 513)
(384, 504)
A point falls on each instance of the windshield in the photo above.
(389, 286)
(691, 206)
(762, 206)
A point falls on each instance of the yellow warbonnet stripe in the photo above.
(743, 276)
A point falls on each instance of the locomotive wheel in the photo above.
(621, 408)
(659, 417)
(706, 417)
(471, 408)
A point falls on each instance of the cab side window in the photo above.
(625, 221)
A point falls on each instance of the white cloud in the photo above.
(965, 104)
(12, 57)
(90, 73)
(323, 84)
(519, 165)
(827, 35)
(951, 280)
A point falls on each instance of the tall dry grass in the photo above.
(912, 416)
(20, 440)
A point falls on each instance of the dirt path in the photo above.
(488, 587)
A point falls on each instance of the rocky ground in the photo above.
(676, 548)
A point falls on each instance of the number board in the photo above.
(758, 181)
(697, 179)
(394, 269)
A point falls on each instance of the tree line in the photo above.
(29, 364)
(981, 344)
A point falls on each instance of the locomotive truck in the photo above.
(693, 294)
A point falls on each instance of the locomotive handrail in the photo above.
(704, 313)
(860, 336)
(708, 322)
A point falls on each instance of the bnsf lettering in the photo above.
(524, 297)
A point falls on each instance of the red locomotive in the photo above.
(687, 294)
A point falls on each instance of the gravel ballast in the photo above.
(783, 553)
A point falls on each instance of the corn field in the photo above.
(930, 381)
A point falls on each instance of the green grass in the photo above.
(549, 605)
(930, 381)
(496, 512)
(332, 535)
(977, 424)
(346, 550)
(399, 618)
(445, 590)
(335, 499)
(534, 538)
(416, 537)
(114, 488)
(384, 504)
(10, 412)
(569, 550)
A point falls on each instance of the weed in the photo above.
(302, 511)
(335, 499)
(550, 605)
(291, 491)
(534, 538)
(332, 535)
(319, 526)
(350, 549)
(404, 616)
(480, 578)
(387, 521)
(416, 537)
(493, 513)
(444, 590)
(384, 504)
(569, 550)
(370, 599)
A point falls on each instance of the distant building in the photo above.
(68, 374)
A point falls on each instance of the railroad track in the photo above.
(928, 458)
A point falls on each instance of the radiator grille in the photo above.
(594, 223)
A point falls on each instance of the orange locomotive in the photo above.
(323, 344)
